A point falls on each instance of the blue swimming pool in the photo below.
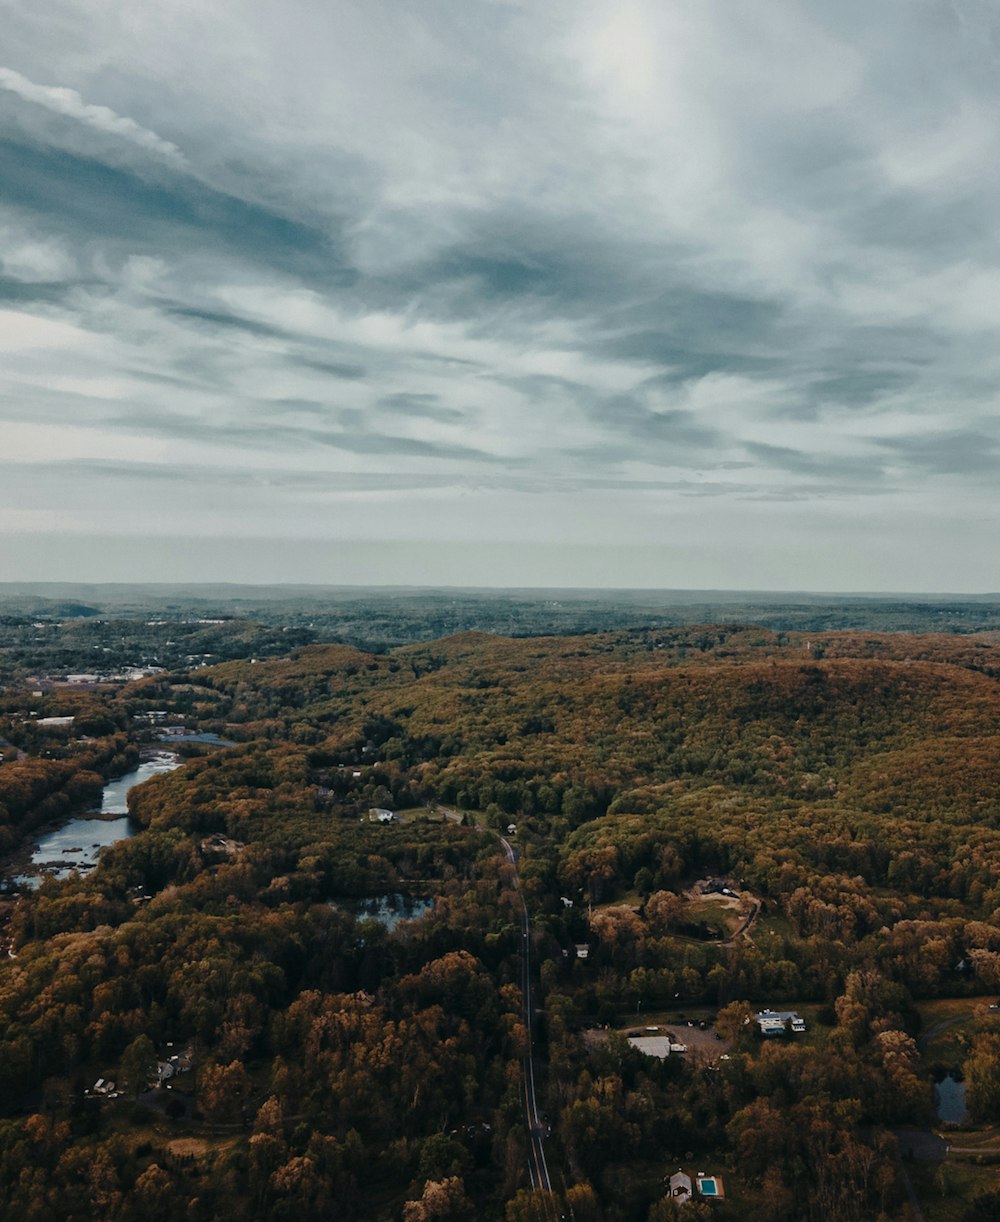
(708, 1188)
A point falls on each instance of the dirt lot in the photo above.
(703, 1047)
(733, 912)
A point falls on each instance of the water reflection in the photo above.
(77, 844)
(949, 1098)
(390, 909)
(113, 799)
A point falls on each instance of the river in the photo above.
(77, 844)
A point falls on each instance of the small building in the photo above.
(511, 829)
(220, 846)
(658, 1046)
(566, 901)
(181, 1062)
(777, 1022)
(680, 1187)
(378, 814)
(582, 950)
(55, 723)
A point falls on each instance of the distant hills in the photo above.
(378, 616)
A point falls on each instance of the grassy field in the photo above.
(942, 1009)
(409, 814)
(946, 1190)
(946, 1024)
(772, 926)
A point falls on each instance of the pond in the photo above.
(390, 909)
(77, 844)
(949, 1099)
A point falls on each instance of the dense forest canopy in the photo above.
(710, 820)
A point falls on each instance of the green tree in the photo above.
(982, 1077)
(442, 1156)
(138, 1065)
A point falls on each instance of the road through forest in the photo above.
(538, 1170)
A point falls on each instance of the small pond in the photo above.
(949, 1099)
(390, 909)
(77, 844)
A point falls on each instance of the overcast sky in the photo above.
(449, 291)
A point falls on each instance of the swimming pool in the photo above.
(708, 1188)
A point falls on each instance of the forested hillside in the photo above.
(710, 820)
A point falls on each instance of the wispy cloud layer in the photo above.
(499, 273)
(68, 102)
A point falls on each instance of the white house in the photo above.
(773, 1022)
(680, 1187)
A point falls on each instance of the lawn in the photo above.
(773, 926)
(946, 1190)
(411, 814)
(945, 1027)
(942, 1009)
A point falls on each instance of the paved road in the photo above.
(538, 1170)
(922, 1145)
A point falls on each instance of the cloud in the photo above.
(558, 269)
(356, 438)
(115, 211)
(952, 452)
(850, 470)
(69, 103)
(421, 405)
